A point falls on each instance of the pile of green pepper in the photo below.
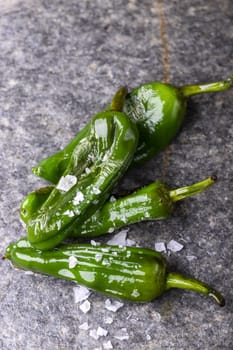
(78, 202)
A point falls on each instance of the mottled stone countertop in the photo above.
(60, 62)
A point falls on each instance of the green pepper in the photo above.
(157, 109)
(96, 164)
(134, 274)
(151, 202)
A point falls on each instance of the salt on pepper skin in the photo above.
(130, 273)
(107, 152)
(152, 202)
(157, 109)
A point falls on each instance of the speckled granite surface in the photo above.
(60, 62)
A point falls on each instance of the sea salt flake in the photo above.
(122, 334)
(191, 257)
(98, 257)
(85, 306)
(107, 345)
(119, 238)
(108, 320)
(66, 182)
(174, 246)
(101, 332)
(130, 242)
(78, 198)
(84, 326)
(81, 293)
(160, 247)
(96, 190)
(113, 306)
(73, 261)
(87, 170)
(94, 243)
(148, 337)
(93, 334)
(69, 213)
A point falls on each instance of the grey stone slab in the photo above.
(60, 62)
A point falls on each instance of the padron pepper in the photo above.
(95, 166)
(158, 109)
(134, 274)
(152, 202)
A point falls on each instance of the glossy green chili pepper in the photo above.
(135, 274)
(96, 165)
(151, 202)
(158, 110)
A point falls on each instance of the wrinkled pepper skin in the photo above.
(134, 274)
(100, 161)
(152, 202)
(158, 110)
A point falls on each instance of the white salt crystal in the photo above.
(87, 170)
(78, 198)
(174, 246)
(81, 293)
(69, 213)
(119, 238)
(108, 320)
(96, 190)
(107, 345)
(130, 242)
(113, 305)
(73, 261)
(112, 199)
(101, 332)
(66, 182)
(85, 306)
(191, 257)
(94, 243)
(122, 334)
(160, 247)
(148, 337)
(93, 334)
(84, 326)
(98, 257)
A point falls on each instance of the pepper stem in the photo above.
(175, 280)
(188, 191)
(118, 100)
(189, 90)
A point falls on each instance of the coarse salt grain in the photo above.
(113, 305)
(81, 293)
(73, 261)
(79, 197)
(107, 345)
(160, 247)
(66, 182)
(69, 213)
(174, 246)
(84, 326)
(108, 320)
(122, 334)
(85, 306)
(93, 334)
(94, 243)
(101, 332)
(119, 238)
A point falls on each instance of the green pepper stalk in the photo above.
(151, 202)
(134, 274)
(96, 165)
(158, 110)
